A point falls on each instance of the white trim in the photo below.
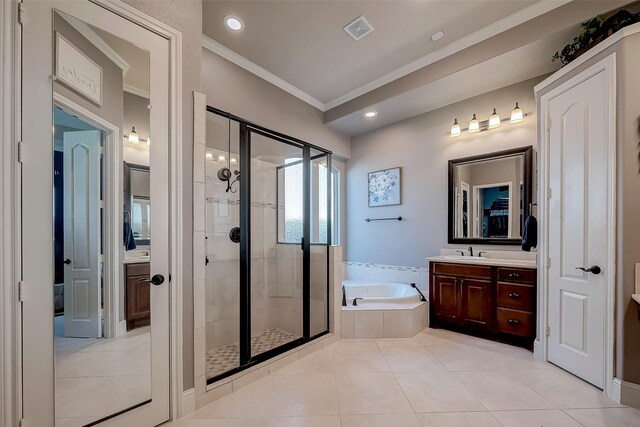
(104, 47)
(616, 389)
(112, 175)
(537, 349)
(135, 90)
(252, 67)
(524, 15)
(624, 32)
(9, 200)
(606, 65)
(177, 184)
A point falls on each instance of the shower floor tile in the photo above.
(226, 358)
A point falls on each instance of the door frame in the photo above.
(541, 346)
(477, 211)
(10, 206)
(112, 190)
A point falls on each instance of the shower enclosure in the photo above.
(268, 228)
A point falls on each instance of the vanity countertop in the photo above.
(636, 298)
(499, 262)
(136, 260)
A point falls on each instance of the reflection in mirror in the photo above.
(489, 196)
(101, 291)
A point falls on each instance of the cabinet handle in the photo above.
(514, 295)
(514, 275)
(513, 321)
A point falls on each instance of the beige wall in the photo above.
(186, 17)
(422, 147)
(627, 357)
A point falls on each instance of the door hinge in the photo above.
(21, 291)
(549, 193)
(20, 149)
(547, 331)
(21, 13)
(548, 262)
(549, 124)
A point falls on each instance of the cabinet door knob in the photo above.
(514, 275)
(514, 295)
(513, 321)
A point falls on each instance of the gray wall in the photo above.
(136, 113)
(627, 350)
(186, 17)
(422, 147)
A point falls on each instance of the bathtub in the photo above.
(378, 295)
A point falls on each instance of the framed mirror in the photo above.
(490, 197)
(137, 202)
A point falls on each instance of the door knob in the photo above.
(595, 269)
(67, 261)
(234, 234)
(157, 279)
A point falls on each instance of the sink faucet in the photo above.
(480, 253)
(470, 251)
(461, 253)
(355, 301)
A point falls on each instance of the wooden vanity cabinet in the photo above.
(137, 295)
(486, 300)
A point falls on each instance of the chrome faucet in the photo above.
(470, 251)
(355, 301)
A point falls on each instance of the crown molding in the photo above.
(136, 91)
(518, 18)
(241, 61)
(539, 8)
(99, 43)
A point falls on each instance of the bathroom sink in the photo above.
(484, 261)
(136, 256)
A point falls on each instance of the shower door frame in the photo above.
(246, 128)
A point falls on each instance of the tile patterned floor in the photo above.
(436, 379)
(98, 377)
(225, 358)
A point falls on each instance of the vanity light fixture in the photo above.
(233, 22)
(474, 125)
(148, 140)
(234, 160)
(209, 155)
(221, 158)
(517, 115)
(133, 136)
(455, 128)
(494, 120)
(370, 114)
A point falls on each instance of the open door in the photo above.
(82, 234)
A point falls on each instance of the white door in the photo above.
(579, 154)
(81, 179)
(39, 374)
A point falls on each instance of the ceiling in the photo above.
(304, 44)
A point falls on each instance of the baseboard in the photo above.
(537, 349)
(188, 402)
(630, 394)
(614, 393)
(121, 328)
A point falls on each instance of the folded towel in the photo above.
(530, 234)
(129, 239)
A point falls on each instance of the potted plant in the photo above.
(593, 32)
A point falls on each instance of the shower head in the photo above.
(224, 174)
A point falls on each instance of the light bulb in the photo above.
(209, 155)
(221, 158)
(455, 128)
(148, 141)
(474, 125)
(233, 160)
(517, 115)
(133, 136)
(494, 120)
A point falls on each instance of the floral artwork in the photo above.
(384, 187)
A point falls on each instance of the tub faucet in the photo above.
(344, 297)
(470, 251)
(355, 301)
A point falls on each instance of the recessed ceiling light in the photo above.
(370, 114)
(233, 22)
(437, 36)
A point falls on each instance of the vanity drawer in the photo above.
(515, 322)
(521, 297)
(462, 270)
(138, 269)
(520, 275)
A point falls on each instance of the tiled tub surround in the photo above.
(374, 322)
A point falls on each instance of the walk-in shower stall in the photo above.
(268, 231)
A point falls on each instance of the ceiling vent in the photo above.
(359, 28)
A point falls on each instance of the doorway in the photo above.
(93, 363)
